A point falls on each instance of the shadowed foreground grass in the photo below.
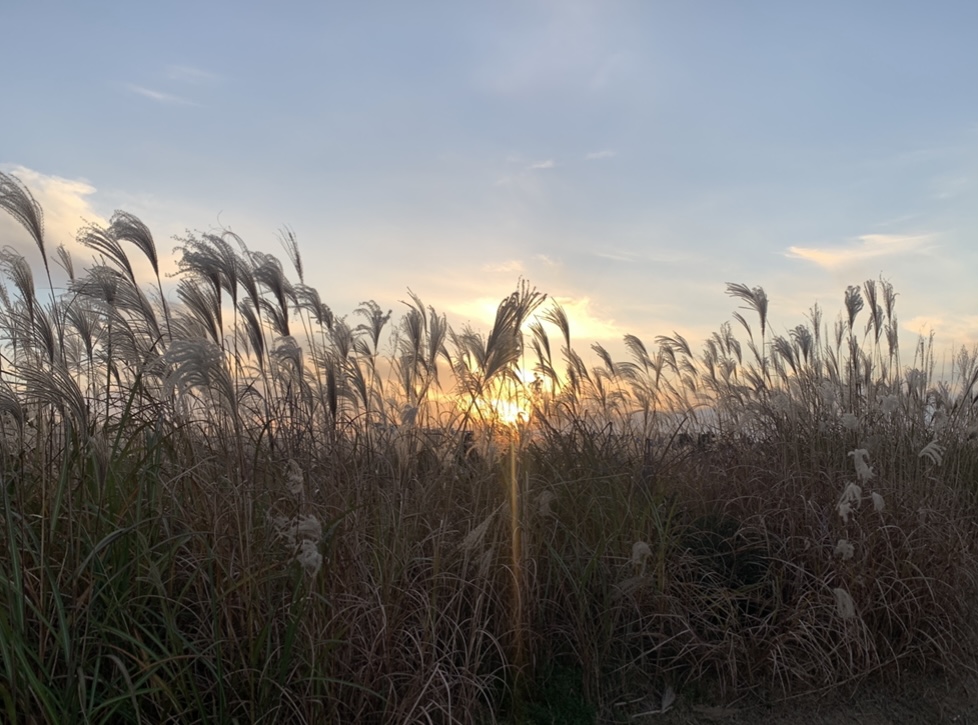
(239, 507)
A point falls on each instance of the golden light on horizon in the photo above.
(511, 412)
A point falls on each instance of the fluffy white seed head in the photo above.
(543, 504)
(640, 552)
(844, 549)
(309, 557)
(473, 540)
(284, 527)
(309, 528)
(844, 605)
(860, 459)
(294, 479)
(850, 499)
(826, 391)
(933, 452)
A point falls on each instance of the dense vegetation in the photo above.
(236, 506)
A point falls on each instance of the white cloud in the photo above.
(869, 246)
(159, 96)
(603, 154)
(68, 206)
(950, 187)
(548, 164)
(546, 261)
(616, 257)
(188, 74)
(509, 267)
(949, 329)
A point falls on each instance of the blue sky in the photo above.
(628, 158)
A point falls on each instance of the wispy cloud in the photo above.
(189, 74)
(526, 172)
(868, 246)
(950, 187)
(159, 96)
(508, 267)
(603, 154)
(546, 261)
(615, 257)
(951, 329)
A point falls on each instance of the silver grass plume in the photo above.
(804, 341)
(376, 320)
(65, 261)
(255, 333)
(204, 306)
(291, 246)
(17, 200)
(854, 303)
(875, 322)
(55, 386)
(199, 364)
(130, 228)
(103, 242)
(756, 300)
(84, 321)
(278, 320)
(11, 405)
(269, 273)
(19, 272)
(127, 227)
(308, 299)
(558, 317)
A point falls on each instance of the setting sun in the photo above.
(510, 412)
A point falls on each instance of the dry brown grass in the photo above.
(209, 520)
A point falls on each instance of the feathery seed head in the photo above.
(309, 557)
(543, 503)
(827, 394)
(476, 536)
(309, 527)
(844, 605)
(933, 452)
(844, 549)
(860, 458)
(890, 403)
(850, 499)
(17, 200)
(640, 552)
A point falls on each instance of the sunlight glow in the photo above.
(510, 412)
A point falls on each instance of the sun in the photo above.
(510, 412)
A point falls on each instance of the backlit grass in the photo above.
(234, 505)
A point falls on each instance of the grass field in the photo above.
(237, 506)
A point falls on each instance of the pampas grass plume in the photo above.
(844, 605)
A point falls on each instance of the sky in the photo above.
(627, 158)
